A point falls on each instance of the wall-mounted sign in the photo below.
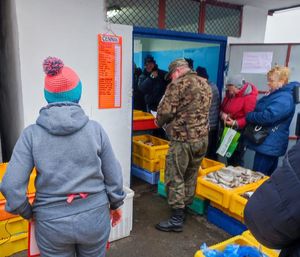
(256, 62)
(109, 71)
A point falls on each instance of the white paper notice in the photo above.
(256, 62)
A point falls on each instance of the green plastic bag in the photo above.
(229, 142)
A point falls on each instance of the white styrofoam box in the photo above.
(124, 228)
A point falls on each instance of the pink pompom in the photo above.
(52, 65)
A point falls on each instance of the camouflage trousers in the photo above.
(182, 164)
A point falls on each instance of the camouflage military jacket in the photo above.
(184, 108)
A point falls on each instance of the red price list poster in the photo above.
(109, 71)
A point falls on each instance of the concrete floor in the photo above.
(146, 241)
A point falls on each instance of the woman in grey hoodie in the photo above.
(79, 180)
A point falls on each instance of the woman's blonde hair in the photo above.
(282, 72)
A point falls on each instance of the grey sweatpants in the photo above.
(81, 235)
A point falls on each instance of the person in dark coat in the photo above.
(190, 62)
(152, 83)
(275, 111)
(272, 214)
(138, 96)
(213, 116)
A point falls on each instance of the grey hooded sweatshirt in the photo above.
(72, 155)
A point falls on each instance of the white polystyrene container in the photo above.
(124, 228)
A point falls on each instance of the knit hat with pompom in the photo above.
(62, 84)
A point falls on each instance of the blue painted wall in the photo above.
(207, 57)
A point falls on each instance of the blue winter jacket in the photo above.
(275, 111)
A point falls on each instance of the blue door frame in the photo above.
(186, 36)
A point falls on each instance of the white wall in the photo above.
(283, 27)
(68, 29)
(254, 26)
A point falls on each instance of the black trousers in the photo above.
(213, 140)
(237, 159)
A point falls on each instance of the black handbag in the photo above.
(256, 133)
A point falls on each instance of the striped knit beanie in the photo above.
(62, 84)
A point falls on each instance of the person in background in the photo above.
(190, 62)
(272, 213)
(183, 112)
(152, 83)
(138, 96)
(275, 111)
(79, 182)
(213, 116)
(240, 99)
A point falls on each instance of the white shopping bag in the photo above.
(33, 250)
(226, 141)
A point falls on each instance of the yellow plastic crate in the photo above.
(137, 111)
(208, 165)
(162, 176)
(160, 147)
(272, 252)
(5, 215)
(239, 240)
(220, 195)
(238, 202)
(140, 115)
(13, 244)
(144, 163)
(31, 187)
(162, 167)
(13, 226)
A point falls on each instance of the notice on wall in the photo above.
(256, 62)
(109, 71)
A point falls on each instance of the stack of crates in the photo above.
(147, 151)
(13, 228)
(143, 120)
(199, 204)
(226, 205)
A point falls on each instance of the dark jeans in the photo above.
(265, 163)
(213, 138)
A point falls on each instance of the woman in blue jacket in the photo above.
(275, 111)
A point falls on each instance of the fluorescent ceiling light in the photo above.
(113, 11)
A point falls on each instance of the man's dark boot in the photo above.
(175, 223)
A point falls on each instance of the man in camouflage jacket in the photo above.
(183, 112)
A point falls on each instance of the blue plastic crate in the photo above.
(198, 206)
(150, 177)
(225, 222)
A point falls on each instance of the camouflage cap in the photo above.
(175, 64)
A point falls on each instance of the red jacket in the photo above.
(240, 104)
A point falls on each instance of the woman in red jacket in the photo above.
(240, 99)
